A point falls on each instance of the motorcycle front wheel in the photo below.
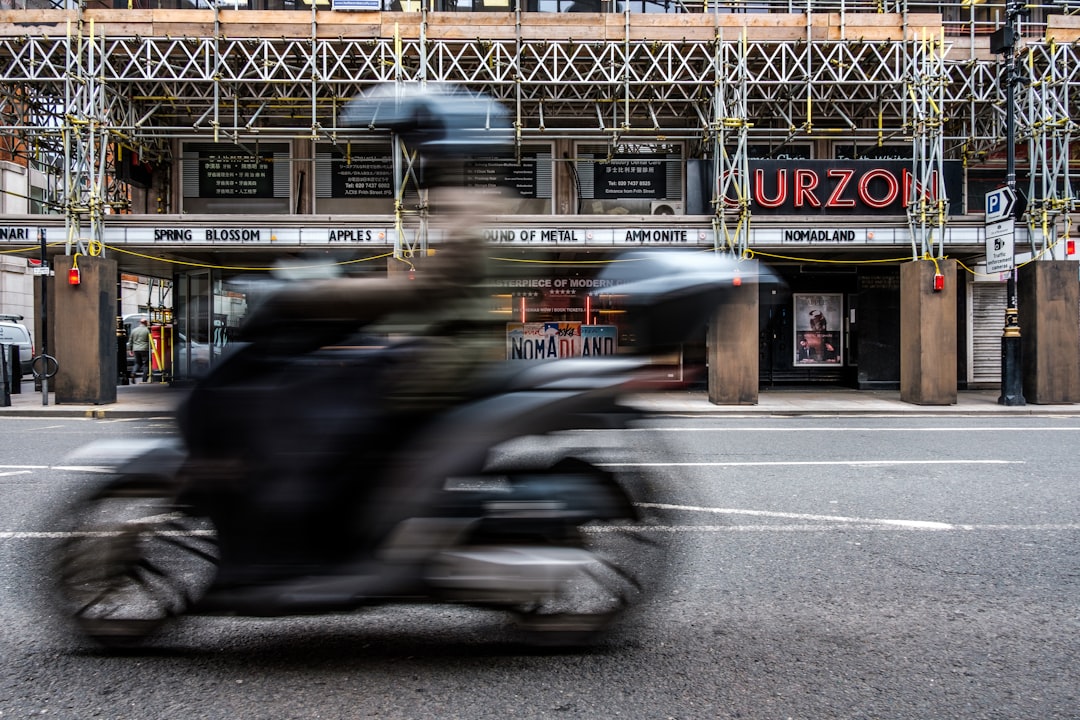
(130, 560)
(626, 559)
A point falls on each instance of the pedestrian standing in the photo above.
(139, 345)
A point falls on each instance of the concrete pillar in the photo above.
(1049, 307)
(928, 333)
(733, 344)
(83, 324)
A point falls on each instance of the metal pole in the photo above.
(1012, 381)
(44, 320)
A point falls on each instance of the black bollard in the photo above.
(15, 365)
(5, 395)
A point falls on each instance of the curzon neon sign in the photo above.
(852, 187)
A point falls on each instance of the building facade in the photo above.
(833, 142)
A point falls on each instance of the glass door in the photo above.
(193, 330)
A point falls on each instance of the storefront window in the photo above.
(632, 180)
(354, 178)
(523, 180)
(224, 178)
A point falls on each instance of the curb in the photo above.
(83, 413)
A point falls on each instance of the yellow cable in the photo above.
(234, 267)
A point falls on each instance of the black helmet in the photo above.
(441, 120)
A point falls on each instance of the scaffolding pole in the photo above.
(928, 204)
(1052, 197)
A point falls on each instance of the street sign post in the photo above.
(1000, 246)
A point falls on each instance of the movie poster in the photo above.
(819, 329)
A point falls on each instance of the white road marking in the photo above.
(824, 528)
(914, 524)
(817, 523)
(830, 429)
(41, 535)
(16, 472)
(740, 463)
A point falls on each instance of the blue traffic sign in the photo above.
(1000, 204)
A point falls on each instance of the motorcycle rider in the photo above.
(347, 418)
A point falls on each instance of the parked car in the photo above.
(13, 332)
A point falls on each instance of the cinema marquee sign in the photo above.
(843, 187)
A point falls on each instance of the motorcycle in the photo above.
(294, 487)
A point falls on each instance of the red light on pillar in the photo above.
(737, 280)
(1070, 247)
(939, 282)
(73, 276)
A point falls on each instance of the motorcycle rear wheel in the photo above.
(131, 560)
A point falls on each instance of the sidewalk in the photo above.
(160, 400)
(141, 400)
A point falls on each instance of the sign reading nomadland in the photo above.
(555, 340)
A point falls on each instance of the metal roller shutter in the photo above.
(987, 320)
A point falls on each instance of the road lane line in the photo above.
(827, 429)
(915, 524)
(741, 463)
(803, 527)
(824, 528)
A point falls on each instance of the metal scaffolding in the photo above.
(928, 203)
(72, 102)
(730, 129)
(1052, 195)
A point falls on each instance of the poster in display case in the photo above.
(819, 329)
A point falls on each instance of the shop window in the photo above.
(522, 180)
(225, 178)
(40, 203)
(631, 180)
(358, 178)
(355, 178)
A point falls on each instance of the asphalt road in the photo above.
(822, 568)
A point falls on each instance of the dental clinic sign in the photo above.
(844, 187)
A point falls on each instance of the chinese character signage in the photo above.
(235, 174)
(819, 335)
(631, 176)
(361, 175)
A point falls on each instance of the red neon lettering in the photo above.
(864, 187)
(805, 182)
(835, 200)
(781, 189)
(914, 187)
